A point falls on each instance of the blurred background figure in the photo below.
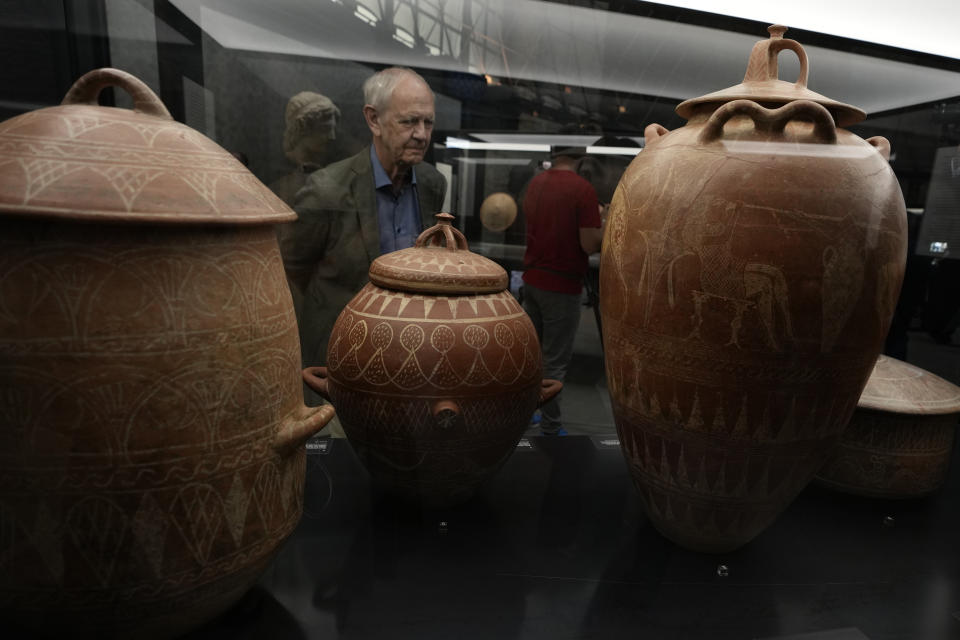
(563, 229)
(311, 121)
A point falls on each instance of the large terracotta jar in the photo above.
(899, 442)
(751, 264)
(151, 408)
(434, 369)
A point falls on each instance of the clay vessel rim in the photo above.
(935, 396)
(132, 218)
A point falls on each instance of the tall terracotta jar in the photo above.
(751, 264)
(151, 409)
(434, 369)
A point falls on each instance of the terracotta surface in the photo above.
(434, 385)
(151, 456)
(498, 211)
(900, 439)
(751, 263)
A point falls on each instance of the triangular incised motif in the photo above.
(719, 424)
(740, 427)
(150, 525)
(199, 517)
(235, 509)
(98, 528)
(368, 300)
(376, 371)
(428, 304)
(655, 407)
(267, 496)
(676, 418)
(682, 477)
(695, 420)
(665, 473)
(404, 301)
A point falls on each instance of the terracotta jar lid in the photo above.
(429, 267)
(762, 84)
(898, 387)
(82, 161)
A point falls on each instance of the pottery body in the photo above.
(900, 439)
(151, 457)
(751, 264)
(435, 385)
(498, 211)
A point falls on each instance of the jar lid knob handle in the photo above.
(455, 239)
(88, 87)
(762, 66)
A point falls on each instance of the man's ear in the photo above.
(373, 119)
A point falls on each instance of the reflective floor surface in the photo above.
(556, 547)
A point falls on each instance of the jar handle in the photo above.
(300, 427)
(455, 239)
(762, 65)
(772, 120)
(318, 380)
(882, 145)
(654, 132)
(88, 87)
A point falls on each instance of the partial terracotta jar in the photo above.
(434, 369)
(151, 456)
(900, 439)
(750, 268)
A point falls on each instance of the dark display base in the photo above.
(556, 546)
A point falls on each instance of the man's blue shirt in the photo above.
(399, 216)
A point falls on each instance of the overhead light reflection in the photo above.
(460, 143)
(366, 15)
(614, 151)
(404, 37)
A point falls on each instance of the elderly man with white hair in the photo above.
(354, 210)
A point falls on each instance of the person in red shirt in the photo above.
(563, 228)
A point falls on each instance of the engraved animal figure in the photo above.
(708, 233)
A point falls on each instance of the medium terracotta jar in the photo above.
(899, 441)
(751, 264)
(151, 456)
(434, 369)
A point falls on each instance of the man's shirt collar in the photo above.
(380, 177)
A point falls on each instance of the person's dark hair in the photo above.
(614, 141)
(564, 150)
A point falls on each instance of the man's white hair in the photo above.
(378, 88)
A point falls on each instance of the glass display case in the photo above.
(557, 544)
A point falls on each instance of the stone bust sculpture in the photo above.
(311, 121)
